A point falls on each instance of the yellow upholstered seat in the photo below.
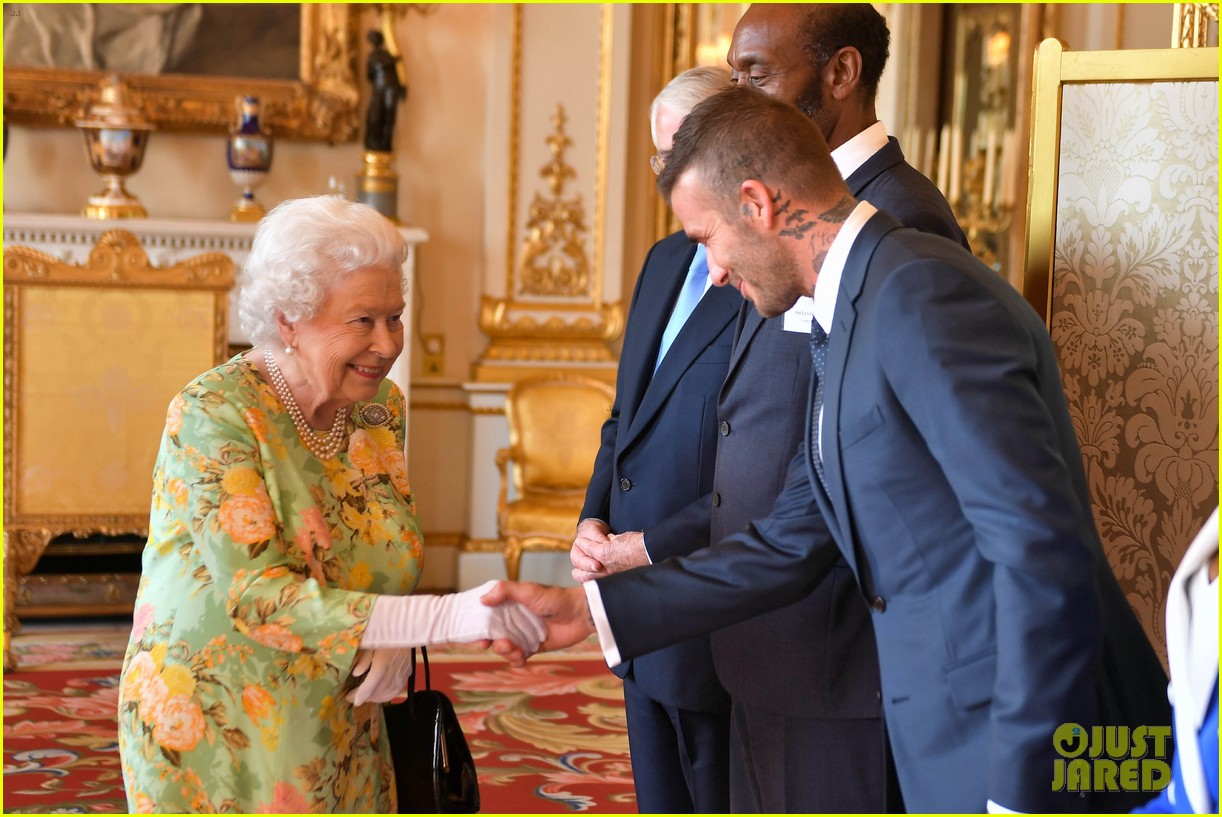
(554, 425)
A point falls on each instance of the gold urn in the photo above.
(116, 134)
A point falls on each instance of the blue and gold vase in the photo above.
(250, 158)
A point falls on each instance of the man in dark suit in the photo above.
(656, 457)
(940, 462)
(803, 680)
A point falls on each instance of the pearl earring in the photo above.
(288, 350)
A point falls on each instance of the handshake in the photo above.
(515, 619)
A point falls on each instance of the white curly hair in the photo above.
(305, 248)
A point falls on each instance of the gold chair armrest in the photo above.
(503, 456)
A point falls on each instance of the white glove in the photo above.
(388, 670)
(457, 618)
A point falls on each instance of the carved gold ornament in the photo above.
(554, 260)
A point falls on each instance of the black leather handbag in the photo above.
(434, 771)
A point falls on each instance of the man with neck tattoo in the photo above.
(803, 680)
(940, 462)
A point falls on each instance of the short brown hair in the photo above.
(742, 134)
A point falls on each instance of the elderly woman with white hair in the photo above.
(272, 619)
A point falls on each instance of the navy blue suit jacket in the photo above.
(956, 495)
(816, 657)
(659, 445)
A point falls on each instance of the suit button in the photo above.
(716, 500)
(625, 483)
(725, 428)
(879, 604)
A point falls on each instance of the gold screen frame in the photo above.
(1122, 264)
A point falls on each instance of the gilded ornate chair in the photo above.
(93, 354)
(554, 425)
(1122, 260)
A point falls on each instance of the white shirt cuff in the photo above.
(994, 808)
(603, 627)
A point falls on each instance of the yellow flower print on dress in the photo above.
(257, 420)
(277, 637)
(178, 680)
(396, 469)
(248, 518)
(236, 644)
(359, 577)
(140, 669)
(383, 438)
(362, 452)
(242, 480)
(312, 537)
(173, 419)
(257, 702)
(179, 724)
(286, 800)
(177, 490)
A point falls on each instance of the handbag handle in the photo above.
(411, 680)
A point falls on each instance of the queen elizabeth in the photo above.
(273, 617)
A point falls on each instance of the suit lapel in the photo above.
(841, 339)
(657, 291)
(709, 319)
(749, 323)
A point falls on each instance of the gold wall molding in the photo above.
(554, 258)
(460, 407)
(439, 539)
(483, 546)
(554, 311)
(420, 405)
(1190, 26)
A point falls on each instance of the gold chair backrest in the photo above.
(1122, 260)
(554, 427)
(93, 354)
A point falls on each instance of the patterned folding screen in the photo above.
(1126, 271)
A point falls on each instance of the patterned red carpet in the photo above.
(549, 738)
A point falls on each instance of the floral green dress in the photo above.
(259, 576)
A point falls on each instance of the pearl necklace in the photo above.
(324, 448)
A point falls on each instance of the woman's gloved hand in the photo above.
(386, 671)
(456, 618)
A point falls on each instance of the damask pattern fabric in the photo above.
(1134, 317)
(258, 581)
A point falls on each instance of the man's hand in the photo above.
(591, 533)
(563, 610)
(613, 554)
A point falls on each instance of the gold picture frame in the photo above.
(320, 105)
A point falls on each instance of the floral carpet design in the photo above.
(547, 738)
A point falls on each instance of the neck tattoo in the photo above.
(323, 446)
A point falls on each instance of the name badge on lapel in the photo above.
(799, 316)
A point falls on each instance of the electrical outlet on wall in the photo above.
(434, 354)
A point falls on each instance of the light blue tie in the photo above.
(689, 296)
